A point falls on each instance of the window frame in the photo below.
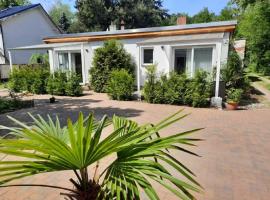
(147, 48)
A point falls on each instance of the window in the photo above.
(63, 61)
(148, 56)
(203, 59)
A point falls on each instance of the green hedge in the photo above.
(30, 78)
(111, 56)
(120, 85)
(177, 89)
(38, 80)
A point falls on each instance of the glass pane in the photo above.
(203, 59)
(63, 61)
(148, 56)
(182, 60)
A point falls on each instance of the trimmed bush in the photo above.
(120, 85)
(30, 78)
(73, 87)
(198, 90)
(177, 88)
(110, 57)
(57, 83)
(150, 84)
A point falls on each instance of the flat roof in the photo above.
(202, 28)
(151, 29)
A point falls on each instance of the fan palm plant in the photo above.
(48, 147)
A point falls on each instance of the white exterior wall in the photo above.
(163, 54)
(24, 29)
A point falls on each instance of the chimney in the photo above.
(182, 20)
(122, 25)
(112, 27)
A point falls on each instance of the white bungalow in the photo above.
(184, 47)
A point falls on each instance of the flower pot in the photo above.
(231, 105)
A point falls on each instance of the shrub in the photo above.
(30, 78)
(234, 95)
(40, 81)
(106, 59)
(56, 84)
(150, 84)
(198, 90)
(234, 75)
(73, 87)
(120, 85)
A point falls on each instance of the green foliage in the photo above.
(233, 73)
(7, 105)
(177, 88)
(106, 59)
(204, 16)
(198, 90)
(30, 78)
(97, 15)
(38, 58)
(140, 156)
(60, 9)
(73, 87)
(234, 95)
(61, 83)
(255, 27)
(120, 86)
(150, 84)
(57, 83)
(11, 3)
(64, 23)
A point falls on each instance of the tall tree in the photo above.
(227, 13)
(255, 27)
(10, 3)
(98, 14)
(64, 23)
(203, 16)
(95, 14)
(57, 10)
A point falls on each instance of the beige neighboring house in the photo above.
(21, 26)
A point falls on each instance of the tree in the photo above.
(64, 23)
(227, 13)
(140, 14)
(255, 27)
(98, 14)
(58, 10)
(107, 58)
(136, 152)
(10, 3)
(204, 16)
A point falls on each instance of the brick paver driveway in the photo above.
(235, 162)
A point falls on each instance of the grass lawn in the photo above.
(262, 80)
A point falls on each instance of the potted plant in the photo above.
(233, 98)
(139, 156)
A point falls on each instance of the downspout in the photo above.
(138, 75)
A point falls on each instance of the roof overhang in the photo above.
(213, 27)
(43, 46)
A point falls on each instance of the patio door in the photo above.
(78, 65)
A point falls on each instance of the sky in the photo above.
(188, 6)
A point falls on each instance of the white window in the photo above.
(148, 57)
(203, 59)
(188, 60)
(63, 61)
